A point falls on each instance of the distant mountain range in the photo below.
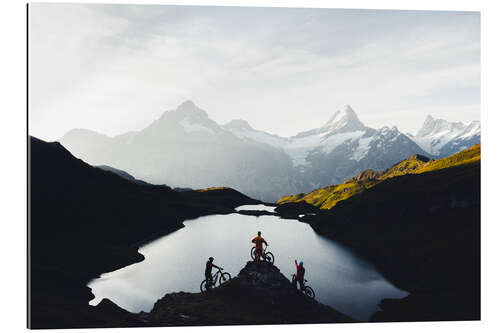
(328, 197)
(441, 138)
(185, 148)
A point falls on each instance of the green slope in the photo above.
(328, 197)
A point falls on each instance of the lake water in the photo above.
(176, 262)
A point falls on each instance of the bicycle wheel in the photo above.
(204, 286)
(252, 253)
(224, 278)
(270, 257)
(309, 292)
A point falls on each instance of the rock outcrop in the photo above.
(260, 294)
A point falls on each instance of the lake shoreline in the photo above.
(435, 256)
(325, 261)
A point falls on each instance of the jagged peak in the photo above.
(433, 125)
(188, 107)
(186, 110)
(344, 120)
(342, 117)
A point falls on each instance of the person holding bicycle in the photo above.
(301, 271)
(208, 269)
(258, 241)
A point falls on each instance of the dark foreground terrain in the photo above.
(85, 221)
(421, 230)
(260, 294)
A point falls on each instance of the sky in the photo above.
(117, 68)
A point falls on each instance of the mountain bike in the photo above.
(219, 277)
(306, 290)
(267, 256)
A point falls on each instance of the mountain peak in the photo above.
(188, 110)
(429, 118)
(345, 120)
(188, 104)
(433, 125)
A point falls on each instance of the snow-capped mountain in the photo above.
(243, 130)
(441, 138)
(342, 130)
(185, 148)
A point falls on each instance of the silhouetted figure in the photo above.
(299, 276)
(208, 270)
(258, 241)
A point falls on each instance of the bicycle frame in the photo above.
(215, 276)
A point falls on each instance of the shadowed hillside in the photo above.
(328, 197)
(85, 221)
(422, 230)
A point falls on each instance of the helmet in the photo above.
(301, 263)
(211, 258)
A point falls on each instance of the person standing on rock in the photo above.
(301, 271)
(258, 241)
(208, 269)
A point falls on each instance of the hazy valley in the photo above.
(185, 148)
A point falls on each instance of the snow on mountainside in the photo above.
(243, 130)
(441, 138)
(344, 127)
(185, 148)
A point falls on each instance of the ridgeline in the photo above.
(418, 223)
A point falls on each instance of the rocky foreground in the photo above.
(258, 295)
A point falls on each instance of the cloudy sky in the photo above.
(116, 68)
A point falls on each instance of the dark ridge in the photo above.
(122, 174)
(86, 221)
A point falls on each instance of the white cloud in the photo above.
(116, 68)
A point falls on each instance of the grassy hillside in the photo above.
(465, 157)
(419, 223)
(328, 197)
(422, 231)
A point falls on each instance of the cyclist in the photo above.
(301, 271)
(258, 241)
(208, 270)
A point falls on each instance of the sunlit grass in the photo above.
(328, 197)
